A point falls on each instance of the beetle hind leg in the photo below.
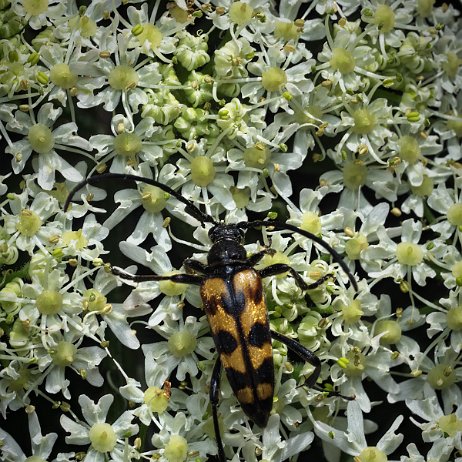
(214, 399)
(303, 353)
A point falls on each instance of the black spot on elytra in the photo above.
(259, 335)
(258, 292)
(265, 372)
(237, 379)
(233, 301)
(259, 411)
(226, 342)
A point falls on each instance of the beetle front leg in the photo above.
(303, 353)
(279, 268)
(194, 266)
(256, 257)
(178, 278)
(214, 399)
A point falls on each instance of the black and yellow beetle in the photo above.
(232, 294)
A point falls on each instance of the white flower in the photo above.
(42, 445)
(353, 440)
(185, 341)
(101, 437)
(39, 137)
(442, 429)
(28, 224)
(128, 144)
(389, 259)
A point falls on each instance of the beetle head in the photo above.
(228, 232)
(227, 245)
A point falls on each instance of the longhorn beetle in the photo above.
(232, 294)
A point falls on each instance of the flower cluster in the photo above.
(343, 119)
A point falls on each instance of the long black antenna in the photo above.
(205, 218)
(190, 207)
(281, 226)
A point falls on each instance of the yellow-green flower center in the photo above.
(425, 189)
(450, 425)
(182, 343)
(273, 79)
(62, 76)
(123, 77)
(409, 253)
(452, 64)
(364, 121)
(127, 144)
(286, 31)
(257, 156)
(455, 214)
(29, 223)
(409, 149)
(311, 222)
(441, 376)
(93, 300)
(384, 18)
(390, 329)
(102, 437)
(352, 313)
(85, 24)
(342, 60)
(77, 237)
(202, 171)
(64, 353)
(153, 199)
(156, 399)
(22, 381)
(240, 13)
(372, 454)
(35, 459)
(152, 34)
(454, 318)
(41, 138)
(241, 196)
(354, 175)
(176, 450)
(49, 302)
(355, 246)
(354, 364)
(425, 7)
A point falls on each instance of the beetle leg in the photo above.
(214, 398)
(303, 353)
(256, 257)
(178, 278)
(280, 268)
(194, 266)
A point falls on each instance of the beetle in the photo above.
(231, 290)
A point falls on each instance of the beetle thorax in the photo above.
(226, 251)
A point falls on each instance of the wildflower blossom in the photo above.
(42, 445)
(39, 137)
(101, 437)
